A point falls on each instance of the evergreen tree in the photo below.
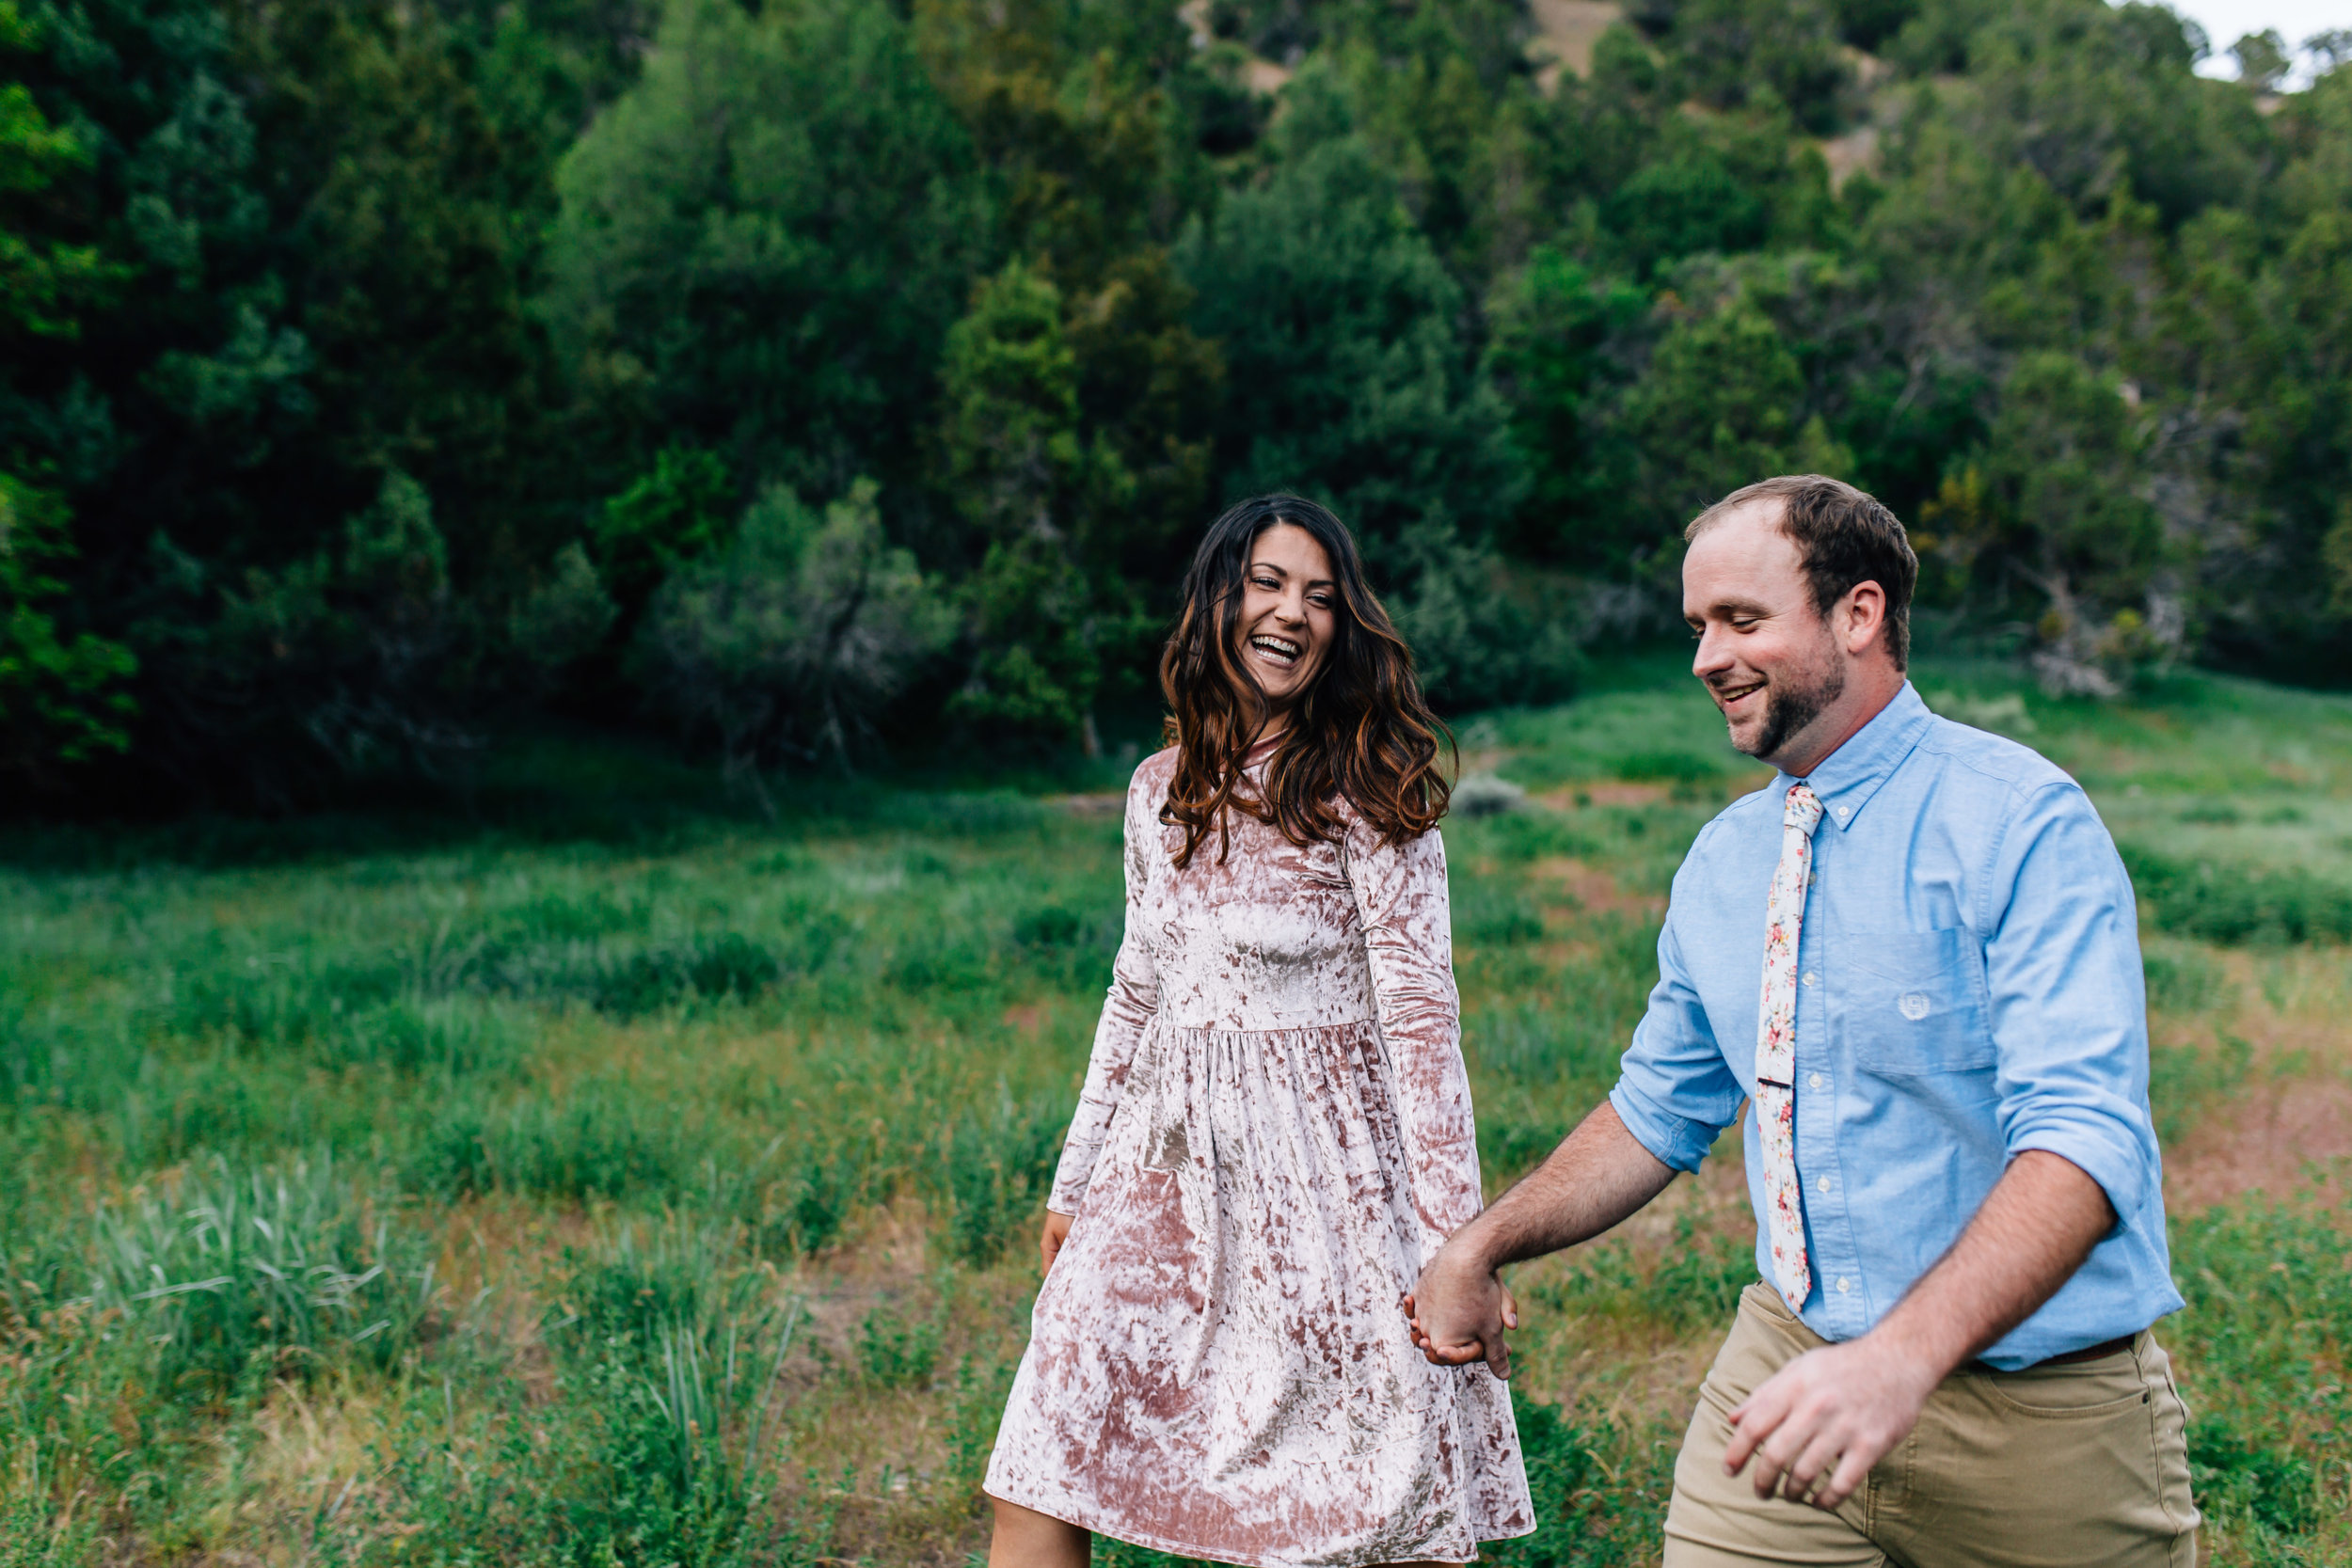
(762, 244)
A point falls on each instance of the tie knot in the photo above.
(1803, 811)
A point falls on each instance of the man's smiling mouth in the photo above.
(1728, 695)
(1278, 650)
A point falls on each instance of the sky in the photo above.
(2227, 21)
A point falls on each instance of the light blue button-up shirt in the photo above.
(1969, 988)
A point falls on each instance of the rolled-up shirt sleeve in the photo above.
(2068, 1013)
(1675, 1091)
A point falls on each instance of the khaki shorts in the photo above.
(2081, 1464)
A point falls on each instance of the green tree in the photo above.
(1561, 350)
(61, 696)
(1719, 406)
(1051, 618)
(1350, 374)
(676, 512)
(323, 255)
(762, 244)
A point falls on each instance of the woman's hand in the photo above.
(1049, 1245)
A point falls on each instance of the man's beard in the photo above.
(1790, 708)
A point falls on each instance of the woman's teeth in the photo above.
(1279, 649)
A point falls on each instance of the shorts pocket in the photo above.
(1911, 1003)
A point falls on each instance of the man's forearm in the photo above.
(1598, 1176)
(2032, 1233)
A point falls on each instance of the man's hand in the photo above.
(1459, 1310)
(1816, 1426)
(1049, 1245)
(1597, 1175)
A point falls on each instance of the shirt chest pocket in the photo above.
(1911, 1003)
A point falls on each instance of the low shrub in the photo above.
(1489, 913)
(650, 1281)
(605, 1141)
(2233, 904)
(2265, 1333)
(894, 1352)
(710, 969)
(665, 1459)
(998, 1168)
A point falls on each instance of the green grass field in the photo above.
(618, 1177)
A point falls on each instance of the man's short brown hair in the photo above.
(1844, 536)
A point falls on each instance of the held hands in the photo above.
(1459, 1310)
(1816, 1426)
(1049, 1243)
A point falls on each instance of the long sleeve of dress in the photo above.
(1127, 1012)
(1408, 940)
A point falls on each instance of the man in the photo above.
(1914, 957)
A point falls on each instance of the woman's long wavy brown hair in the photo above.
(1363, 732)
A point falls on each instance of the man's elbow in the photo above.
(2072, 1200)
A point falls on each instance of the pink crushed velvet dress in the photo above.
(1274, 1137)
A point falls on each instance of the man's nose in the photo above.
(1713, 655)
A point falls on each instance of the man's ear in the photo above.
(1863, 614)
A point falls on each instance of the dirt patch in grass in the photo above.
(1105, 802)
(1589, 889)
(2284, 1124)
(1604, 792)
(2281, 1139)
(1587, 793)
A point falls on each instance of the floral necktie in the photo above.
(1776, 1047)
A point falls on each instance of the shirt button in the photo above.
(1808, 977)
(1823, 1184)
(1844, 1284)
(1844, 812)
(1813, 1081)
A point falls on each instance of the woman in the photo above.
(1275, 1133)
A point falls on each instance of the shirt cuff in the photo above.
(1675, 1140)
(1072, 1178)
(2094, 1144)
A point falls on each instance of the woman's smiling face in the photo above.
(1289, 608)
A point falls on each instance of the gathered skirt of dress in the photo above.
(1219, 1363)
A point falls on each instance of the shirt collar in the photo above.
(1849, 776)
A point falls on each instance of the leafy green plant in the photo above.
(896, 1352)
(278, 1267)
(789, 644)
(2236, 904)
(1600, 1484)
(998, 1168)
